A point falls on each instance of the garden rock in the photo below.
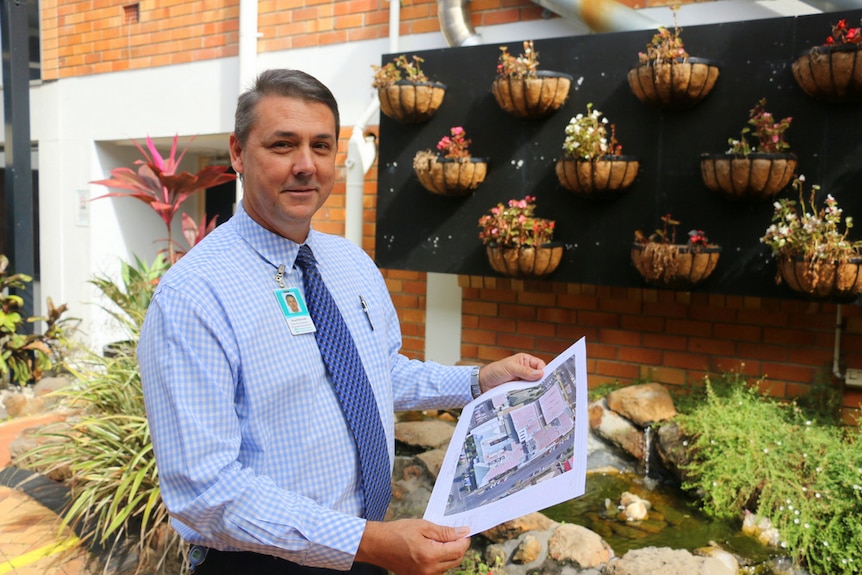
(528, 550)
(760, 528)
(33, 437)
(665, 561)
(579, 546)
(22, 405)
(616, 429)
(672, 450)
(643, 404)
(433, 460)
(428, 434)
(717, 552)
(517, 527)
(45, 387)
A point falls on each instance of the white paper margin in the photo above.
(563, 487)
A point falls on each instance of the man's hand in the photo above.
(521, 366)
(413, 546)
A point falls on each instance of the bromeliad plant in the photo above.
(768, 133)
(157, 184)
(514, 225)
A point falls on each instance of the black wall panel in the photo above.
(417, 230)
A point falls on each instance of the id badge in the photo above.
(295, 311)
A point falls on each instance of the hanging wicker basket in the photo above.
(822, 279)
(754, 177)
(411, 102)
(831, 73)
(674, 266)
(525, 262)
(532, 98)
(603, 177)
(673, 84)
(449, 176)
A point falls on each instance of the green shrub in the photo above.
(772, 458)
(114, 480)
(25, 357)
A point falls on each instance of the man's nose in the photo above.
(303, 161)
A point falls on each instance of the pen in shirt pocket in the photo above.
(365, 309)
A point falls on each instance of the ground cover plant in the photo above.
(783, 461)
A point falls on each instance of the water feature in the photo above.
(674, 520)
(647, 448)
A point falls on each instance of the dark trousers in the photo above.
(248, 563)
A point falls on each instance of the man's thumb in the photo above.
(445, 534)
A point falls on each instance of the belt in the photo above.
(206, 561)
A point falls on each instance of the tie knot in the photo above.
(305, 259)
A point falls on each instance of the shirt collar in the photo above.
(275, 249)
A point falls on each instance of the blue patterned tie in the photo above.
(351, 386)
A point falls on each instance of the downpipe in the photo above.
(362, 148)
(361, 152)
(836, 354)
(455, 23)
(600, 15)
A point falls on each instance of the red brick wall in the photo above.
(671, 337)
(82, 37)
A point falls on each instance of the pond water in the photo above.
(674, 520)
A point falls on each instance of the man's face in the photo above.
(288, 164)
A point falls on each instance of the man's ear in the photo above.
(236, 154)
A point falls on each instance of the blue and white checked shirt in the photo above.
(252, 448)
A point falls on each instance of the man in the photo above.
(258, 467)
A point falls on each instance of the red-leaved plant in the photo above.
(842, 34)
(157, 183)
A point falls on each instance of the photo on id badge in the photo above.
(294, 310)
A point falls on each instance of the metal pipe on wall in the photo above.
(599, 15)
(455, 23)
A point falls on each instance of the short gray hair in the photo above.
(286, 83)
